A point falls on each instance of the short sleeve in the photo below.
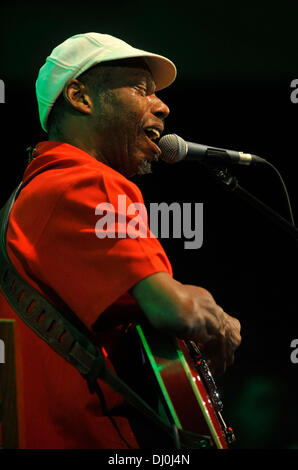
(95, 246)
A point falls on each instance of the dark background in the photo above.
(235, 65)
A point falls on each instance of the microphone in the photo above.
(174, 149)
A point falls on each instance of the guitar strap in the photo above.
(72, 343)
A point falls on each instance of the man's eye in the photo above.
(142, 89)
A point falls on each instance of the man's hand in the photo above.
(220, 350)
(189, 312)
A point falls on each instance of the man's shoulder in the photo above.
(59, 173)
(99, 178)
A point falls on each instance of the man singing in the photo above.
(97, 101)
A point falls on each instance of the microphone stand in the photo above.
(230, 184)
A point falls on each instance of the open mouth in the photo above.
(153, 136)
(152, 133)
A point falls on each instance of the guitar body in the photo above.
(184, 391)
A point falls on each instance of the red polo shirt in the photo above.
(54, 242)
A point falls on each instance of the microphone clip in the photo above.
(224, 178)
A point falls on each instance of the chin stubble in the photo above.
(145, 167)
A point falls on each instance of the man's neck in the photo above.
(76, 141)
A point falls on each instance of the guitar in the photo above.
(176, 380)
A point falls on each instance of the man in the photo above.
(97, 101)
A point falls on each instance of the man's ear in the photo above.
(75, 94)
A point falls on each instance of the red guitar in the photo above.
(180, 376)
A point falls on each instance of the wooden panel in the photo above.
(8, 389)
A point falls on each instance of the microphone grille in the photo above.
(173, 148)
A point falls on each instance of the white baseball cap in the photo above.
(80, 52)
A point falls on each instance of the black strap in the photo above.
(76, 348)
(42, 317)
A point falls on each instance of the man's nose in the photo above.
(159, 108)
